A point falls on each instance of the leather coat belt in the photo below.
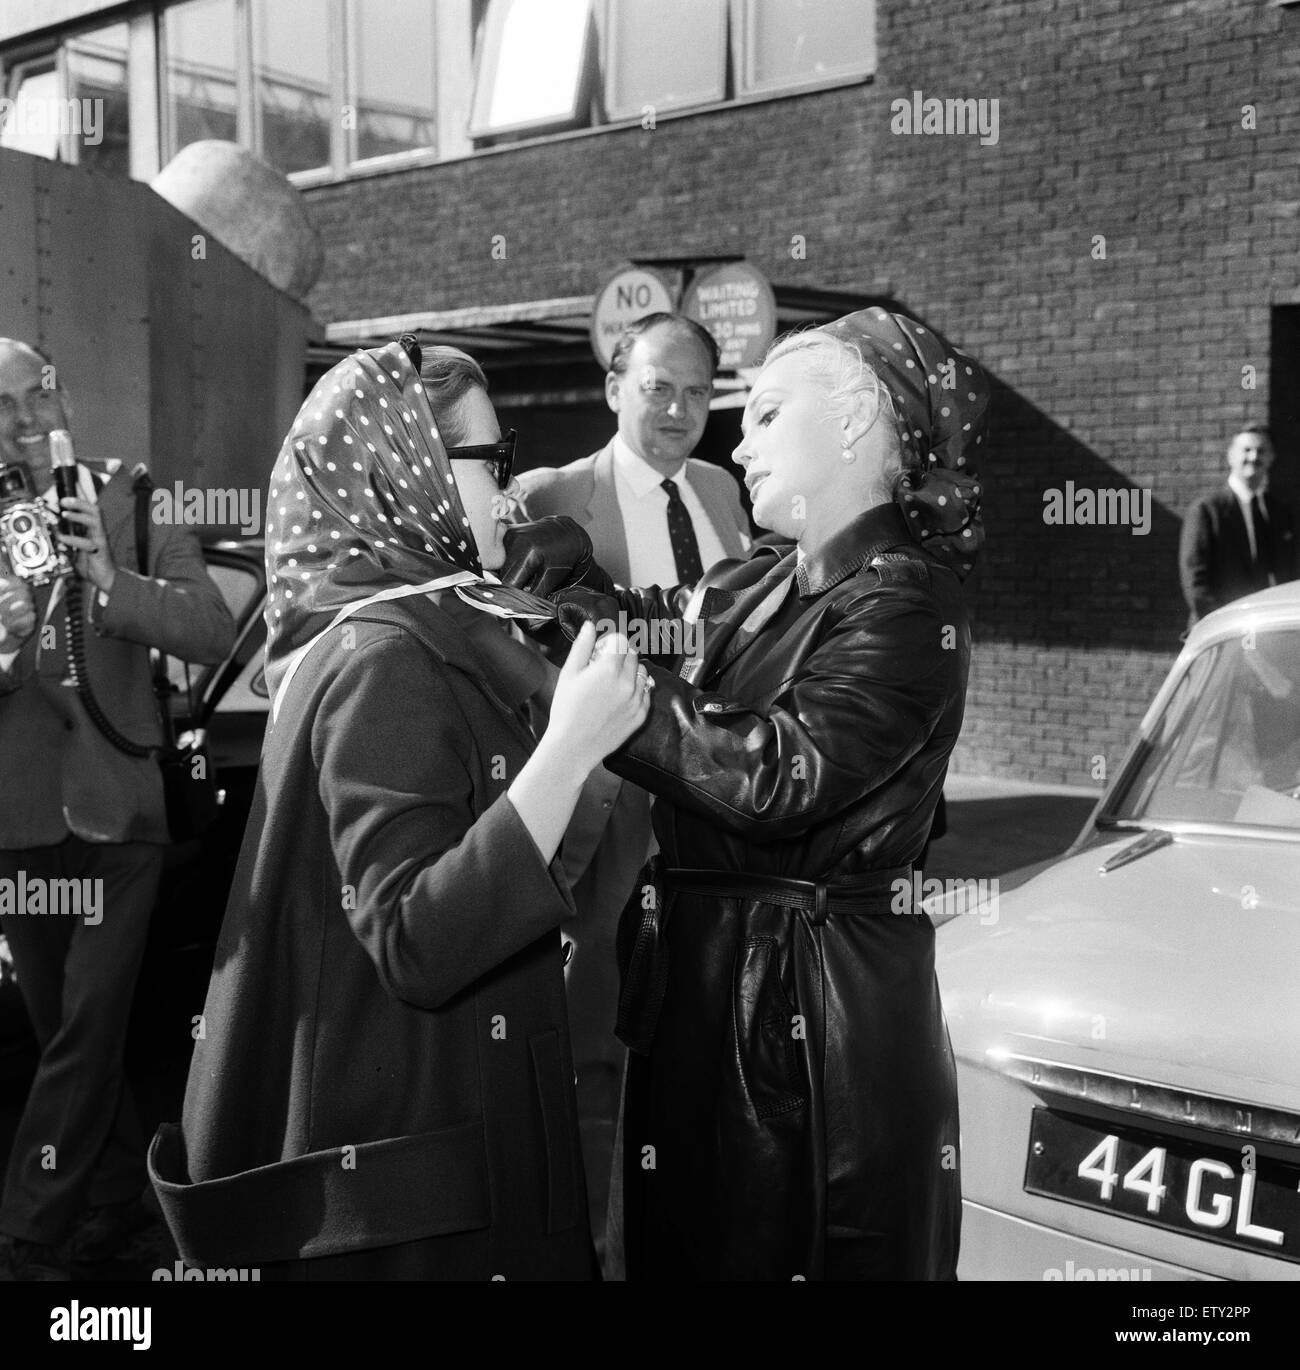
(642, 940)
(867, 893)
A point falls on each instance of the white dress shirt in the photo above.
(643, 503)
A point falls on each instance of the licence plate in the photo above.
(1233, 1195)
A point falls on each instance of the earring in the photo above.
(848, 453)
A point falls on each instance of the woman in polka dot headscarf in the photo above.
(364, 500)
(386, 1087)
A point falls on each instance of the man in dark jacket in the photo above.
(78, 815)
(1239, 539)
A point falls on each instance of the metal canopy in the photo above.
(542, 332)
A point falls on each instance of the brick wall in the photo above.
(1115, 119)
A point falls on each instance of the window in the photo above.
(96, 64)
(291, 83)
(310, 87)
(36, 90)
(1227, 747)
(200, 84)
(534, 66)
(70, 104)
(791, 43)
(538, 62)
(665, 54)
(318, 87)
(390, 77)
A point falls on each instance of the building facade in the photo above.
(1101, 202)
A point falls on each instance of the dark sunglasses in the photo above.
(500, 454)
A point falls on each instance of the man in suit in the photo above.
(655, 516)
(76, 814)
(1239, 539)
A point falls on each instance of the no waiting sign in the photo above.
(628, 295)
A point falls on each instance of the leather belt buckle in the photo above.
(821, 905)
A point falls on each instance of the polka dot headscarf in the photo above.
(362, 499)
(941, 399)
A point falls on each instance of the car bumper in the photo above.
(998, 1246)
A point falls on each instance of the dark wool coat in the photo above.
(384, 1082)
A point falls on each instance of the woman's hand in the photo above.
(601, 698)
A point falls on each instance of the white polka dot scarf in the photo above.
(363, 502)
(941, 399)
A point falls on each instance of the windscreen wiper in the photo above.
(1151, 840)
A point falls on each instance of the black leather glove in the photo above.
(549, 555)
(576, 605)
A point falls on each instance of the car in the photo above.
(1125, 1021)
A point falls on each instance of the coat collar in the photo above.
(851, 549)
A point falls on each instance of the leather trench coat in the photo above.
(790, 1107)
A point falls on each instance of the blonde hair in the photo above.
(844, 375)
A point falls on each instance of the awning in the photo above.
(539, 351)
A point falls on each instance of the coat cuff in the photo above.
(114, 617)
(560, 885)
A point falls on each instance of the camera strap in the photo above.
(142, 488)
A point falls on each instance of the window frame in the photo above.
(487, 56)
(134, 68)
(351, 164)
(39, 55)
(152, 139)
(609, 40)
(744, 57)
(54, 48)
(243, 79)
(334, 58)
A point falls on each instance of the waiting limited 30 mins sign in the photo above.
(735, 303)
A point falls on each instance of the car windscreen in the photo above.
(1226, 747)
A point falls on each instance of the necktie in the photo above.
(1263, 550)
(681, 533)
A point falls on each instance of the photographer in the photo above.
(75, 808)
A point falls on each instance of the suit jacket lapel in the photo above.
(604, 519)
